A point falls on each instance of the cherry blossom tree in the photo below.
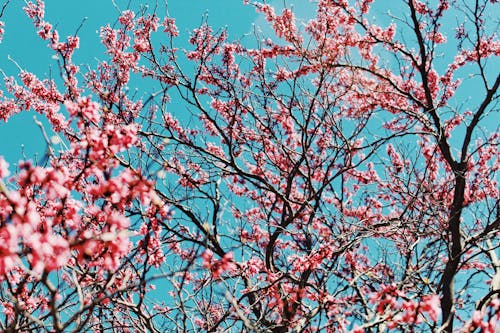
(336, 175)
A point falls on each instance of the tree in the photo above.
(335, 176)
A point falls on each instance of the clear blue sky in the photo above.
(24, 46)
(21, 43)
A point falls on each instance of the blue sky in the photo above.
(21, 43)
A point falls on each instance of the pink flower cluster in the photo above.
(403, 310)
(487, 320)
(218, 267)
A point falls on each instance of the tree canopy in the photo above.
(330, 174)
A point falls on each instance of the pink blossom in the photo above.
(431, 305)
(127, 18)
(2, 31)
(170, 27)
(4, 168)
